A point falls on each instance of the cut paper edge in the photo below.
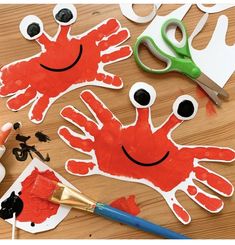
(49, 223)
(215, 8)
(128, 11)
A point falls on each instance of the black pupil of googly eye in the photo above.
(33, 29)
(186, 108)
(142, 97)
(64, 15)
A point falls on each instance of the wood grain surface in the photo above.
(204, 129)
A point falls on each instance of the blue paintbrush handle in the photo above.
(128, 219)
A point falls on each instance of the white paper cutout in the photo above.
(128, 11)
(154, 28)
(215, 8)
(49, 223)
(217, 60)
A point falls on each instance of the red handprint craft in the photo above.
(144, 154)
(65, 62)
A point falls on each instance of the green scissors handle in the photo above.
(182, 62)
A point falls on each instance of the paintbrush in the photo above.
(58, 193)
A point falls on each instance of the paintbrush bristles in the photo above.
(60, 194)
(43, 187)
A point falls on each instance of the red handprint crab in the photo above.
(144, 154)
(65, 62)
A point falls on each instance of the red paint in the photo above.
(35, 209)
(210, 108)
(43, 187)
(141, 144)
(80, 167)
(43, 86)
(128, 205)
(214, 181)
(200, 93)
(192, 190)
(181, 213)
(212, 204)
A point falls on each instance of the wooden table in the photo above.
(218, 129)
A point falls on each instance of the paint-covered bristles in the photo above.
(4, 132)
(43, 187)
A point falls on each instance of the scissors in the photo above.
(182, 62)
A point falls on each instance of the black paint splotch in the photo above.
(16, 125)
(11, 205)
(42, 137)
(21, 153)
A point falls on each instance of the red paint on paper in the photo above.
(35, 209)
(181, 213)
(212, 204)
(137, 152)
(80, 167)
(66, 63)
(128, 205)
(192, 190)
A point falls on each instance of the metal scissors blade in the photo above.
(205, 80)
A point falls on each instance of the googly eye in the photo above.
(65, 14)
(142, 95)
(185, 107)
(31, 27)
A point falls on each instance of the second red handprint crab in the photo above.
(145, 154)
(65, 62)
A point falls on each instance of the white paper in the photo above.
(217, 60)
(128, 11)
(49, 223)
(215, 8)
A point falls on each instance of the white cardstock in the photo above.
(215, 8)
(49, 223)
(217, 60)
(128, 11)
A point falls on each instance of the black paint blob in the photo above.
(42, 137)
(16, 125)
(32, 224)
(11, 205)
(64, 15)
(186, 108)
(33, 29)
(142, 97)
(21, 153)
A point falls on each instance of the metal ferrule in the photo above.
(68, 196)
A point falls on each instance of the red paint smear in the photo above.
(214, 181)
(212, 204)
(200, 93)
(192, 190)
(181, 213)
(126, 204)
(32, 78)
(43, 187)
(80, 167)
(210, 108)
(35, 209)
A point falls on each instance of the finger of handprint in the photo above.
(105, 29)
(39, 109)
(75, 140)
(211, 153)
(207, 201)
(114, 39)
(118, 54)
(11, 87)
(21, 100)
(80, 167)
(178, 210)
(99, 110)
(110, 79)
(214, 181)
(78, 119)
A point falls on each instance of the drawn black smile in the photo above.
(65, 68)
(144, 164)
